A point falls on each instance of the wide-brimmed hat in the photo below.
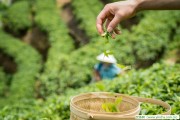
(108, 59)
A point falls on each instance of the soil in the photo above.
(79, 36)
(7, 63)
(38, 39)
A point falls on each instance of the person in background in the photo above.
(107, 68)
(114, 13)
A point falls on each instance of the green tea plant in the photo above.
(29, 63)
(149, 44)
(60, 42)
(87, 14)
(107, 36)
(173, 48)
(2, 82)
(18, 17)
(22, 109)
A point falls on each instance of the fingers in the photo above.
(101, 19)
(107, 22)
(99, 22)
(99, 28)
(117, 31)
(113, 24)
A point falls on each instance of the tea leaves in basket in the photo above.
(112, 106)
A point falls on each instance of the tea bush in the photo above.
(18, 16)
(28, 62)
(26, 109)
(87, 14)
(148, 43)
(173, 48)
(60, 42)
(2, 82)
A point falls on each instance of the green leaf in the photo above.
(112, 106)
(121, 66)
(118, 101)
(107, 35)
(100, 86)
(104, 106)
(107, 53)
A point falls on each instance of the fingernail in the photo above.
(109, 29)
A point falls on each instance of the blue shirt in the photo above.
(107, 72)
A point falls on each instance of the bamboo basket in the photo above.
(88, 106)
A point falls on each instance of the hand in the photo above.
(114, 13)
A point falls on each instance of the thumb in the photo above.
(113, 24)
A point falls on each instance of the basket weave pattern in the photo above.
(92, 103)
(95, 104)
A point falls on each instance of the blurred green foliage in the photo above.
(150, 37)
(87, 14)
(173, 49)
(18, 16)
(60, 42)
(160, 82)
(2, 82)
(29, 64)
(68, 71)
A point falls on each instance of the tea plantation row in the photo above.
(160, 81)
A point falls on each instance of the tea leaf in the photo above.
(100, 86)
(112, 106)
(121, 66)
(107, 35)
(127, 68)
(107, 53)
(104, 106)
(118, 101)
